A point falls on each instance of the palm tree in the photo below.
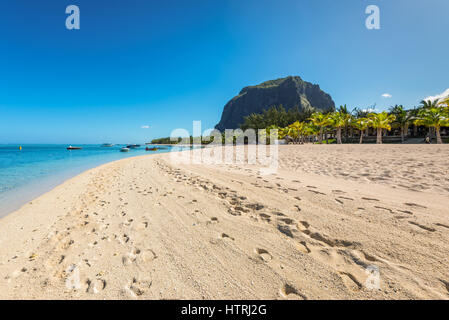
(381, 121)
(283, 132)
(361, 124)
(311, 130)
(344, 110)
(267, 134)
(321, 121)
(360, 113)
(403, 118)
(295, 130)
(338, 120)
(434, 118)
(429, 103)
(413, 114)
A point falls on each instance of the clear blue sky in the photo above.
(167, 63)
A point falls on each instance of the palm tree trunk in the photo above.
(320, 138)
(361, 137)
(338, 135)
(402, 133)
(379, 136)
(439, 140)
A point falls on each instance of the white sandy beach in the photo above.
(145, 228)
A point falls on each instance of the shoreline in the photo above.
(51, 183)
(22, 193)
(146, 228)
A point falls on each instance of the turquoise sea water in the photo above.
(36, 169)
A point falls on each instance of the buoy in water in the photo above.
(20, 147)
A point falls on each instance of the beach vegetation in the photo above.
(362, 125)
(434, 117)
(338, 120)
(381, 121)
(321, 121)
(402, 119)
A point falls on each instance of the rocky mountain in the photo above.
(290, 92)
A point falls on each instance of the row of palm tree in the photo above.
(432, 114)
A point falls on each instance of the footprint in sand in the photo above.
(130, 257)
(305, 224)
(350, 281)
(383, 208)
(422, 226)
(369, 257)
(213, 220)
(302, 247)
(127, 260)
(147, 255)
(232, 211)
(290, 292)
(225, 236)
(265, 217)
(442, 225)
(446, 284)
(370, 199)
(123, 239)
(138, 287)
(143, 225)
(255, 206)
(95, 286)
(67, 244)
(287, 221)
(263, 254)
(317, 192)
(285, 230)
(410, 204)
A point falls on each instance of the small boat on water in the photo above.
(73, 148)
(151, 149)
(133, 146)
(107, 145)
(124, 150)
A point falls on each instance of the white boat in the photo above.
(124, 150)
